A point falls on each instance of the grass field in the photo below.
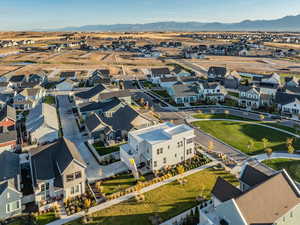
(167, 201)
(238, 135)
(45, 218)
(292, 166)
(119, 183)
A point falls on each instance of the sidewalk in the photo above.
(129, 196)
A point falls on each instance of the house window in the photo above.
(8, 195)
(190, 140)
(13, 206)
(161, 150)
(70, 177)
(165, 160)
(175, 155)
(72, 190)
(154, 164)
(78, 175)
(77, 188)
(291, 214)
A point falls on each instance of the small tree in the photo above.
(250, 145)
(226, 112)
(289, 141)
(261, 117)
(87, 204)
(269, 152)
(210, 146)
(180, 169)
(265, 142)
(291, 149)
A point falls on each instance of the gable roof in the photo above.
(252, 176)
(269, 201)
(114, 94)
(30, 91)
(91, 92)
(182, 90)
(67, 74)
(217, 71)
(160, 71)
(10, 165)
(103, 106)
(50, 161)
(8, 112)
(17, 78)
(285, 98)
(224, 191)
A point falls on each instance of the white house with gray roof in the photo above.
(158, 146)
(42, 124)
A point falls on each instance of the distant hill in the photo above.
(288, 23)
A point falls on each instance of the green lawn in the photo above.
(119, 183)
(292, 166)
(234, 94)
(238, 134)
(105, 150)
(45, 218)
(162, 93)
(49, 100)
(168, 201)
(232, 117)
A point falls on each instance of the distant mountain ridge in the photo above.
(288, 23)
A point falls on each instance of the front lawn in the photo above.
(167, 201)
(238, 135)
(102, 150)
(162, 93)
(118, 183)
(219, 116)
(45, 218)
(49, 100)
(292, 166)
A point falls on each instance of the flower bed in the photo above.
(79, 203)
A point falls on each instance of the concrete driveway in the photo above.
(71, 131)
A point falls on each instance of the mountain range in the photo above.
(288, 23)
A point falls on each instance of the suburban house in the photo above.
(213, 92)
(101, 76)
(291, 81)
(114, 123)
(249, 97)
(10, 185)
(66, 85)
(185, 93)
(123, 95)
(58, 172)
(109, 105)
(288, 104)
(4, 99)
(28, 98)
(167, 82)
(158, 146)
(8, 133)
(42, 124)
(37, 78)
(16, 81)
(68, 75)
(90, 95)
(232, 80)
(216, 73)
(5, 88)
(273, 79)
(261, 199)
(157, 73)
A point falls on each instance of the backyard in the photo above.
(102, 150)
(292, 166)
(240, 135)
(166, 201)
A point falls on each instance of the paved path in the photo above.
(71, 131)
(128, 196)
(275, 155)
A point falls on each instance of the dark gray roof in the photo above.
(8, 112)
(248, 88)
(10, 165)
(292, 90)
(68, 74)
(189, 79)
(121, 119)
(168, 79)
(17, 78)
(102, 72)
(91, 92)
(208, 85)
(48, 160)
(285, 98)
(160, 71)
(252, 177)
(103, 106)
(181, 90)
(93, 122)
(224, 191)
(217, 71)
(118, 94)
(8, 136)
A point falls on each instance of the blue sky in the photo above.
(35, 14)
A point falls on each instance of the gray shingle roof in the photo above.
(285, 98)
(252, 176)
(17, 78)
(182, 90)
(8, 112)
(118, 94)
(160, 71)
(91, 92)
(10, 165)
(217, 71)
(48, 160)
(224, 191)
(103, 106)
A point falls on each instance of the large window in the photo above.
(73, 176)
(45, 192)
(13, 206)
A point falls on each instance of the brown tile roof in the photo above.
(269, 201)
(224, 191)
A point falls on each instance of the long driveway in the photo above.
(71, 131)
